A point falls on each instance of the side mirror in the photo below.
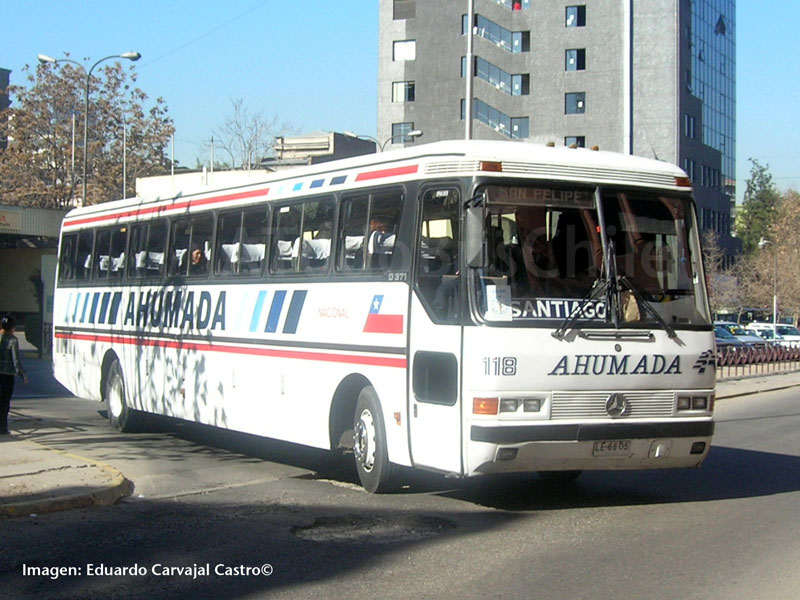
(475, 238)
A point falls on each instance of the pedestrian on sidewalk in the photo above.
(10, 367)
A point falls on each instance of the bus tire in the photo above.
(120, 416)
(369, 444)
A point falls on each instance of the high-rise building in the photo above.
(654, 78)
(5, 102)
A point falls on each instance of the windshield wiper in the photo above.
(599, 287)
(648, 306)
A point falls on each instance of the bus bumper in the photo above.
(593, 446)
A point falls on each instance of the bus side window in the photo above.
(102, 260)
(229, 243)
(109, 253)
(201, 255)
(254, 242)
(119, 242)
(138, 251)
(369, 227)
(154, 263)
(66, 263)
(83, 257)
(316, 236)
(437, 274)
(286, 231)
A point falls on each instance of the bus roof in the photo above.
(434, 160)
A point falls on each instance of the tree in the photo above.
(759, 207)
(37, 167)
(722, 284)
(785, 237)
(246, 138)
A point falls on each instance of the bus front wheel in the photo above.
(369, 444)
(120, 416)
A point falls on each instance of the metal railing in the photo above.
(734, 362)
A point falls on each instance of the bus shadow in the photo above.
(727, 473)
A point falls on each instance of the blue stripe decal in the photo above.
(339, 180)
(295, 308)
(275, 311)
(85, 306)
(317, 183)
(262, 295)
(115, 302)
(69, 304)
(93, 313)
(297, 187)
(77, 304)
(104, 307)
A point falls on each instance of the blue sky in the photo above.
(313, 64)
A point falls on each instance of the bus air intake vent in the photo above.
(452, 166)
(593, 174)
(592, 405)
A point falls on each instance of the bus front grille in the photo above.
(592, 405)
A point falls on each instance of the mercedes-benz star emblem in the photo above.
(617, 406)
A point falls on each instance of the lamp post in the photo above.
(763, 243)
(414, 133)
(43, 58)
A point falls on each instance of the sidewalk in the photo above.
(35, 478)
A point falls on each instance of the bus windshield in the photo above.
(548, 249)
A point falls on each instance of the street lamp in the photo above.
(414, 133)
(43, 58)
(763, 243)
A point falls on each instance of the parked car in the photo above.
(786, 335)
(769, 336)
(750, 338)
(726, 341)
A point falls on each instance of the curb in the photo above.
(118, 488)
(759, 391)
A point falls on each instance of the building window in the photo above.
(688, 166)
(519, 128)
(404, 50)
(512, 127)
(510, 41)
(576, 16)
(520, 85)
(575, 59)
(403, 91)
(689, 129)
(400, 133)
(575, 141)
(514, 85)
(515, 5)
(575, 103)
(404, 9)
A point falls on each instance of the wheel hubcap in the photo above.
(115, 398)
(364, 441)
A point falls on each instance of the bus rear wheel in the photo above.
(369, 444)
(120, 416)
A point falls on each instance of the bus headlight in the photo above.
(532, 404)
(700, 403)
(508, 405)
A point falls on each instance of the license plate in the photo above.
(612, 448)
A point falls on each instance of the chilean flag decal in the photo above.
(382, 323)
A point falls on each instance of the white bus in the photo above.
(466, 307)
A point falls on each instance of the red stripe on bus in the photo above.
(165, 207)
(376, 361)
(367, 175)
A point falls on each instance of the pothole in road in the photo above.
(376, 530)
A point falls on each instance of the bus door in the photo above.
(435, 424)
